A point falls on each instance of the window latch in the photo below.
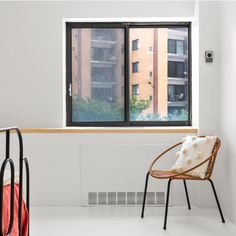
(70, 89)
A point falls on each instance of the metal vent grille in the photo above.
(92, 198)
(102, 198)
(121, 198)
(150, 198)
(125, 198)
(111, 197)
(160, 198)
(131, 199)
(139, 198)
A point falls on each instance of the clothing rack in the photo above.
(22, 162)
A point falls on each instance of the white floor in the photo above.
(126, 221)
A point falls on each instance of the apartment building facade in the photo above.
(98, 64)
(158, 67)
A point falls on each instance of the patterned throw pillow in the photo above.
(194, 150)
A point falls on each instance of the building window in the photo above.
(135, 89)
(176, 46)
(135, 44)
(135, 67)
(103, 76)
(177, 69)
(179, 47)
(176, 93)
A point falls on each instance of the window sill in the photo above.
(112, 130)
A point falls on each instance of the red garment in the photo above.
(6, 212)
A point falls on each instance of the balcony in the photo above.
(103, 62)
(177, 103)
(177, 57)
(177, 33)
(103, 36)
(177, 81)
(102, 43)
(104, 79)
(102, 84)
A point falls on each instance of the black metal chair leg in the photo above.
(186, 191)
(144, 195)
(167, 203)
(217, 201)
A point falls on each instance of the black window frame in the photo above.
(126, 26)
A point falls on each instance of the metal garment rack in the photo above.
(22, 162)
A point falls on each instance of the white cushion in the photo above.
(194, 150)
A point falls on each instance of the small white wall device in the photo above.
(208, 56)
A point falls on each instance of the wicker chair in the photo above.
(163, 174)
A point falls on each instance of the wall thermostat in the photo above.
(209, 56)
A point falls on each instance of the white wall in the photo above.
(218, 33)
(208, 72)
(227, 112)
(208, 83)
(64, 167)
(31, 95)
(31, 53)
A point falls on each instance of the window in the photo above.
(135, 44)
(171, 46)
(179, 47)
(177, 69)
(135, 89)
(135, 67)
(176, 46)
(106, 86)
(176, 93)
(97, 62)
(102, 54)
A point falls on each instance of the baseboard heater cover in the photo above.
(125, 198)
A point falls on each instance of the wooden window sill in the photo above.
(112, 130)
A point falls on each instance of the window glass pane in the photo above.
(97, 74)
(180, 92)
(171, 93)
(176, 93)
(135, 89)
(171, 46)
(135, 66)
(180, 69)
(179, 47)
(164, 95)
(135, 44)
(177, 69)
(172, 69)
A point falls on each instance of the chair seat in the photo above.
(167, 174)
